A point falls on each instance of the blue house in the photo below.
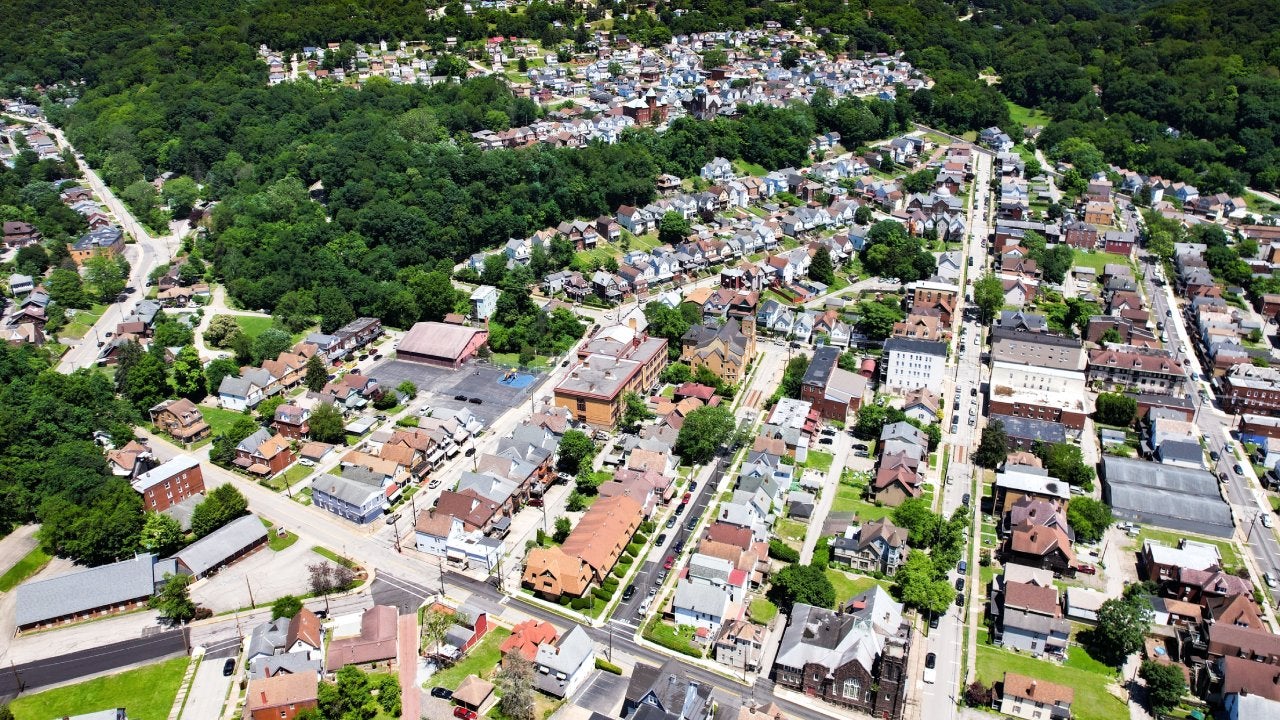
(357, 501)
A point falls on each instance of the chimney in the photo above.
(264, 697)
(1032, 690)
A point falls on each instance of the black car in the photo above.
(960, 584)
(460, 398)
(933, 621)
(475, 401)
(228, 667)
(693, 523)
(1237, 469)
(965, 500)
(662, 538)
(1213, 455)
(959, 599)
(442, 693)
(679, 546)
(629, 593)
(671, 522)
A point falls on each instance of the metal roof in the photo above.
(213, 549)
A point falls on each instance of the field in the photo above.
(148, 693)
(78, 326)
(1097, 260)
(253, 325)
(848, 586)
(220, 420)
(1027, 117)
(29, 565)
(605, 250)
(481, 660)
(1092, 702)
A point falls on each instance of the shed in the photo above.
(473, 693)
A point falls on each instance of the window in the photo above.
(852, 688)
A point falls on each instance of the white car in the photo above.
(306, 462)
(1266, 520)
(1269, 579)
(930, 668)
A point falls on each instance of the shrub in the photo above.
(620, 571)
(648, 526)
(634, 549)
(605, 665)
(582, 603)
(779, 550)
(610, 583)
(602, 593)
(565, 600)
(625, 560)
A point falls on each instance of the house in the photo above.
(103, 241)
(668, 693)
(223, 546)
(913, 363)
(726, 349)
(1030, 620)
(922, 404)
(1043, 547)
(1013, 484)
(701, 605)
(291, 421)
(239, 393)
(450, 537)
(896, 482)
(855, 659)
(832, 391)
(375, 643)
(563, 665)
(740, 644)
(264, 454)
(286, 645)
(20, 284)
(170, 483)
(874, 546)
(281, 697)
(484, 302)
(353, 499)
(88, 593)
(1028, 698)
(526, 637)
(590, 551)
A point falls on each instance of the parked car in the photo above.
(679, 546)
(962, 566)
(475, 401)
(824, 441)
(1213, 455)
(931, 668)
(671, 522)
(662, 538)
(662, 576)
(671, 560)
(693, 485)
(960, 584)
(629, 593)
(959, 599)
(1269, 579)
(1087, 569)
(442, 693)
(460, 398)
(392, 519)
(1237, 469)
(691, 524)
(228, 667)
(464, 714)
(933, 621)
(435, 483)
(535, 501)
(687, 497)
(306, 463)
(1266, 520)
(965, 500)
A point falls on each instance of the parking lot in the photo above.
(603, 693)
(266, 573)
(473, 380)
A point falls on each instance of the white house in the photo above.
(911, 363)
(700, 605)
(239, 394)
(563, 666)
(484, 301)
(446, 536)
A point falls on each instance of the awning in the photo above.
(259, 469)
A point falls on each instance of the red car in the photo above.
(465, 714)
(671, 560)
(1087, 569)
(687, 497)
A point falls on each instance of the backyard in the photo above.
(148, 693)
(83, 320)
(1093, 701)
(220, 420)
(1097, 260)
(848, 585)
(482, 660)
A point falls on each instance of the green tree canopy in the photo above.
(1115, 408)
(801, 584)
(1089, 518)
(994, 447)
(705, 431)
(327, 424)
(1122, 624)
(174, 599)
(285, 606)
(575, 449)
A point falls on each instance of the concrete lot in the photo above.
(266, 573)
(208, 691)
(474, 380)
(603, 693)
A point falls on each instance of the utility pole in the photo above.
(17, 678)
(250, 587)
(395, 531)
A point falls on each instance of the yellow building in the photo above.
(595, 387)
(725, 350)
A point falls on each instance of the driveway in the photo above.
(265, 575)
(208, 691)
(603, 693)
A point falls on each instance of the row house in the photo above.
(1147, 370)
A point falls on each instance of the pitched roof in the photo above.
(379, 628)
(281, 690)
(526, 636)
(1026, 596)
(215, 548)
(1038, 690)
(1033, 540)
(85, 590)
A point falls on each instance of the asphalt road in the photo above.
(75, 665)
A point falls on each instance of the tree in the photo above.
(793, 377)
(180, 194)
(921, 522)
(676, 373)
(917, 584)
(174, 600)
(705, 430)
(988, 295)
(634, 412)
(161, 534)
(217, 370)
(1065, 462)
(920, 181)
(871, 420)
(66, 289)
(515, 683)
(978, 695)
(317, 376)
(285, 606)
(188, 374)
(435, 626)
(673, 228)
(821, 268)
(564, 526)
(266, 410)
(223, 451)
(326, 424)
(105, 277)
(790, 58)
(1111, 337)
(1165, 684)
(863, 215)
(576, 448)
(801, 584)
(295, 310)
(5, 712)
(222, 505)
(350, 698)
(435, 294)
(269, 344)
(220, 330)
(994, 447)
(1089, 518)
(1115, 409)
(876, 318)
(146, 384)
(1122, 624)
(407, 389)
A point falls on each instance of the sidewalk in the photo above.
(407, 658)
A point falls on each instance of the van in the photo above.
(1133, 531)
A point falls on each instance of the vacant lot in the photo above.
(147, 693)
(482, 660)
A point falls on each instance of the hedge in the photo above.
(779, 550)
(619, 571)
(582, 603)
(671, 641)
(605, 665)
(610, 583)
(634, 549)
(602, 593)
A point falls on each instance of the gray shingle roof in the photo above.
(85, 590)
(213, 549)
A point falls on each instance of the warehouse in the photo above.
(441, 344)
(1171, 497)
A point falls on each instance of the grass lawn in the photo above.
(253, 325)
(220, 420)
(789, 530)
(29, 565)
(847, 499)
(482, 660)
(1027, 117)
(742, 166)
(148, 693)
(1230, 557)
(762, 611)
(820, 461)
(327, 553)
(295, 474)
(78, 325)
(848, 586)
(1093, 701)
(513, 360)
(1097, 260)
(278, 542)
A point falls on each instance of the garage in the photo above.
(441, 344)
